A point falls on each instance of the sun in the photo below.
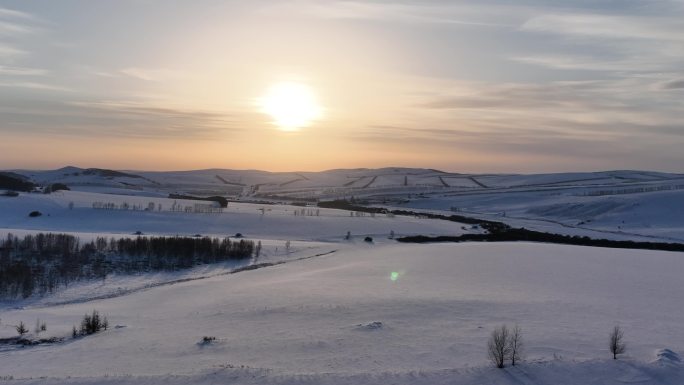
(291, 105)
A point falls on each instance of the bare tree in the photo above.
(498, 347)
(617, 345)
(515, 345)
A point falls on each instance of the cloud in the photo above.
(591, 119)
(34, 86)
(6, 13)
(12, 30)
(515, 96)
(497, 142)
(645, 63)
(132, 119)
(8, 51)
(145, 74)
(9, 29)
(677, 84)
(408, 12)
(22, 71)
(652, 42)
(608, 26)
(150, 74)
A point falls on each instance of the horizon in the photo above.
(525, 87)
(464, 172)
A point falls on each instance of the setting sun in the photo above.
(291, 105)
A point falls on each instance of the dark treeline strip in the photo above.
(501, 232)
(351, 206)
(223, 202)
(41, 263)
(537, 236)
(346, 205)
(11, 181)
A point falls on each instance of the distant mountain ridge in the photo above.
(330, 184)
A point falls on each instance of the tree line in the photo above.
(41, 263)
(501, 232)
(525, 235)
(12, 181)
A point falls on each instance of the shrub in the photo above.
(21, 328)
(206, 340)
(55, 187)
(40, 327)
(93, 323)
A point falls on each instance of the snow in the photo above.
(300, 320)
(335, 311)
(277, 221)
(654, 216)
(639, 205)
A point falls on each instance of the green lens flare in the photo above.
(394, 276)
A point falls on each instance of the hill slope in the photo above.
(342, 319)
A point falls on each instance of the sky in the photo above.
(464, 86)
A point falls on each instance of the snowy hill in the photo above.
(345, 318)
(72, 211)
(332, 183)
(615, 204)
(324, 309)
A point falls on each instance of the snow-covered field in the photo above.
(657, 215)
(611, 204)
(337, 311)
(311, 321)
(318, 231)
(252, 220)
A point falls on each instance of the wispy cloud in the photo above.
(609, 26)
(134, 119)
(150, 74)
(623, 63)
(13, 24)
(553, 145)
(616, 102)
(22, 71)
(7, 13)
(8, 51)
(608, 42)
(407, 12)
(145, 74)
(578, 121)
(34, 86)
(7, 28)
(677, 84)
